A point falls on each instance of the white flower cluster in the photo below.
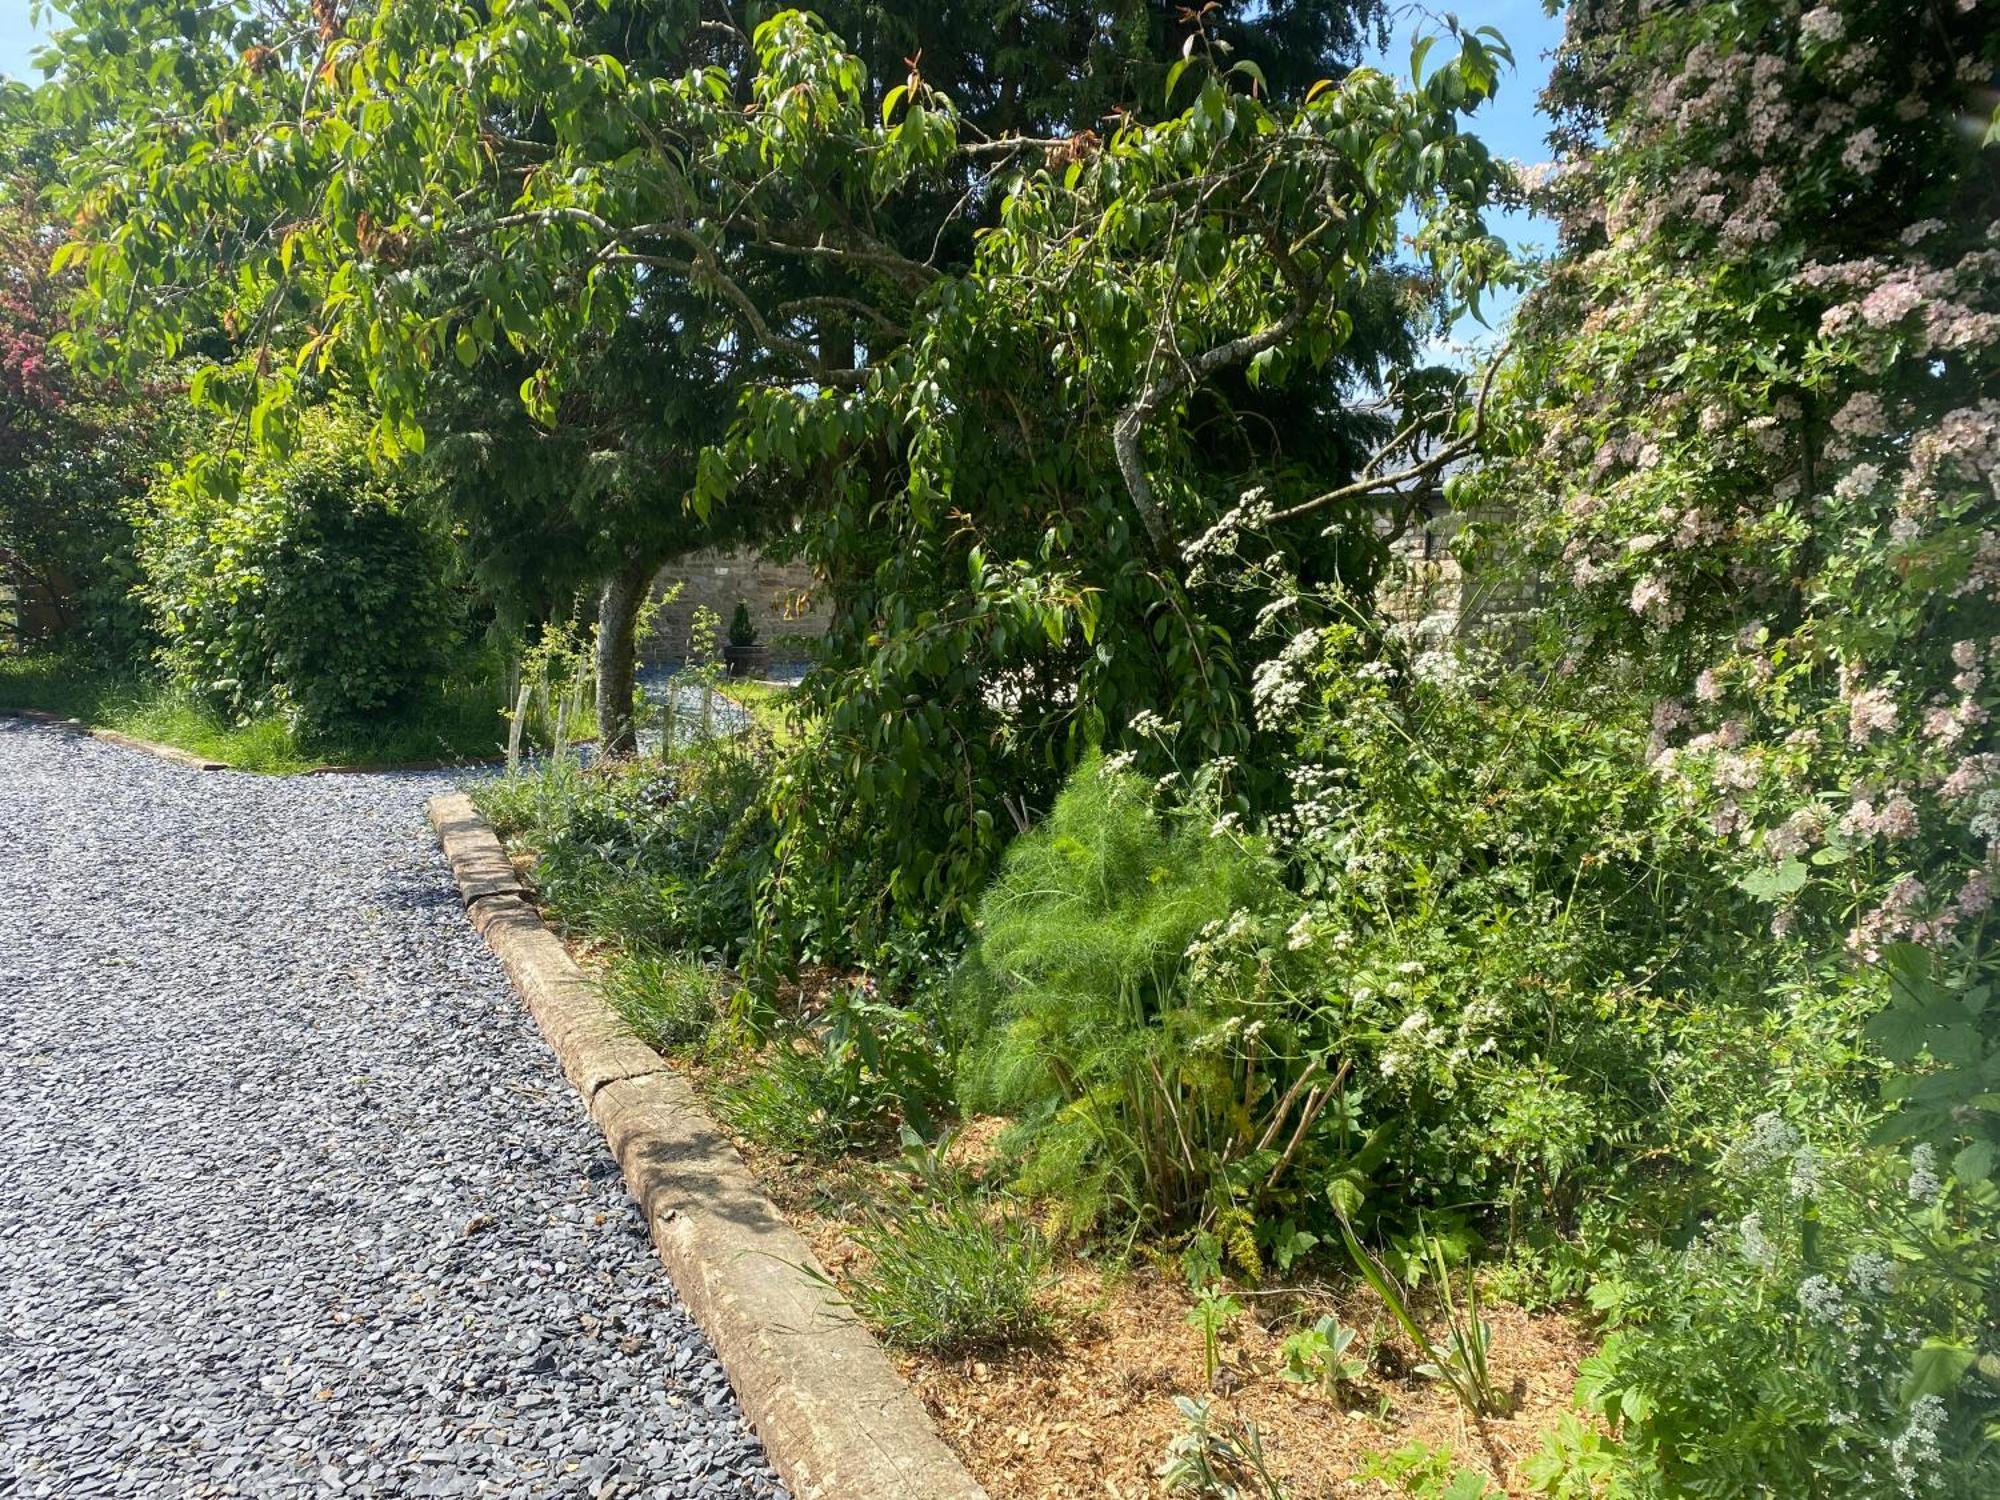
(1916, 1448)
(1757, 1247)
(1768, 1141)
(1821, 1299)
(1417, 1035)
(1924, 1184)
(1278, 686)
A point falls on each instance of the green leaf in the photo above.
(1419, 50)
(1174, 77)
(1936, 1367)
(1775, 883)
(1899, 1032)
(1974, 1164)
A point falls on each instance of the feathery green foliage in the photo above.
(1083, 1015)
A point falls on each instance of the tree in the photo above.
(72, 450)
(1149, 322)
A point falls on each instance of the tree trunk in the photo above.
(617, 616)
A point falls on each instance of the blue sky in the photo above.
(18, 39)
(1509, 125)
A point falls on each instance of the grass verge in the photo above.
(462, 723)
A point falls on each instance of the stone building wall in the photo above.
(1426, 591)
(785, 604)
(1430, 593)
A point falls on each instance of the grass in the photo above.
(462, 723)
(768, 703)
(669, 1000)
(948, 1269)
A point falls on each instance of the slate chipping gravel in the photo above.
(293, 1198)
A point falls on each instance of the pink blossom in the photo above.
(1944, 725)
(1870, 713)
(1857, 482)
(1804, 828)
(1975, 896)
(1863, 157)
(1970, 775)
(1895, 299)
(1653, 600)
(1822, 25)
(1898, 818)
(1706, 687)
(1861, 416)
(1984, 574)
(1859, 821)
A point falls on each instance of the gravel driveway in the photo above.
(293, 1199)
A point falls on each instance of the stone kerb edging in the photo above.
(835, 1418)
(113, 737)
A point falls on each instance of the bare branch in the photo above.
(1132, 420)
(1373, 482)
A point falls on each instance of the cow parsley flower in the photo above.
(1924, 1184)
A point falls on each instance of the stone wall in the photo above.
(1432, 595)
(786, 605)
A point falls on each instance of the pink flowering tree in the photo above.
(1752, 437)
(1757, 434)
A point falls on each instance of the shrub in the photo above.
(1123, 1003)
(861, 1069)
(664, 857)
(1827, 1332)
(948, 1269)
(316, 590)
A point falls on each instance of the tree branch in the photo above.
(1372, 482)
(1132, 420)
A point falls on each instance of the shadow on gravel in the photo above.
(419, 890)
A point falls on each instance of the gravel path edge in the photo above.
(112, 737)
(835, 1418)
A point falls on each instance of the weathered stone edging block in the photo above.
(835, 1418)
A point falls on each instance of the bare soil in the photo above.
(1091, 1411)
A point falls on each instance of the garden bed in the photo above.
(1090, 1408)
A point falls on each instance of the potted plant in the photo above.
(743, 654)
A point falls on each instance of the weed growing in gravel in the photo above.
(948, 1268)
